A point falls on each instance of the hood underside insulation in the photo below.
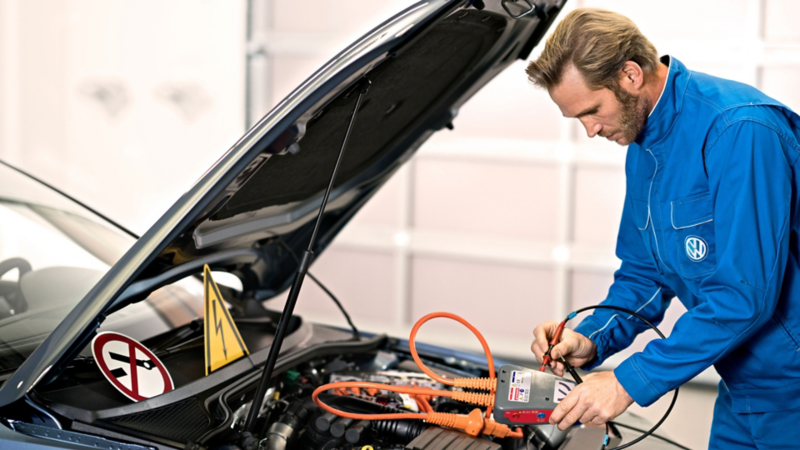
(404, 90)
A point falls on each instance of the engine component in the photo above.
(281, 432)
(393, 377)
(389, 377)
(400, 431)
(357, 431)
(240, 414)
(315, 438)
(340, 427)
(404, 430)
(323, 422)
(438, 438)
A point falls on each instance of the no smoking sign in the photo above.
(130, 366)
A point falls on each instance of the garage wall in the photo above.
(122, 104)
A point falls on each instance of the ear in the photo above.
(631, 77)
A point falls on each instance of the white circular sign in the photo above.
(696, 248)
(130, 366)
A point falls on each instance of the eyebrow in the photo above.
(586, 111)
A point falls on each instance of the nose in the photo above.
(592, 128)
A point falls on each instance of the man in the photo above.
(710, 216)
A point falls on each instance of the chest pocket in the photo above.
(693, 221)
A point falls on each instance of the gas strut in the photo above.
(305, 262)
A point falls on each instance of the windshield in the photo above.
(52, 252)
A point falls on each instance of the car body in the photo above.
(249, 216)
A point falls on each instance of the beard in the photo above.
(634, 109)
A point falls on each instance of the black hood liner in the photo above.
(404, 89)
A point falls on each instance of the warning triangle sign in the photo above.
(223, 343)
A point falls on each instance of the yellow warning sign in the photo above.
(223, 341)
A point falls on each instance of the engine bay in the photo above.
(210, 412)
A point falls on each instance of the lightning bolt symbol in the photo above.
(218, 329)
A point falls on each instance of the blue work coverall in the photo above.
(711, 217)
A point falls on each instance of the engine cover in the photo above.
(435, 438)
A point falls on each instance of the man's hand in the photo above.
(599, 399)
(576, 348)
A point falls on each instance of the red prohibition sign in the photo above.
(130, 366)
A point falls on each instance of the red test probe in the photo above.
(556, 337)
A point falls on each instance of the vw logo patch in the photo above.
(696, 248)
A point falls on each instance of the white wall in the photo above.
(123, 104)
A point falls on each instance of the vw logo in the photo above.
(696, 248)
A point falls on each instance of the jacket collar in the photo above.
(659, 123)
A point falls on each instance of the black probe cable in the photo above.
(667, 440)
(578, 380)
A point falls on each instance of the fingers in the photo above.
(557, 368)
(596, 401)
(570, 410)
(537, 351)
(593, 416)
(541, 338)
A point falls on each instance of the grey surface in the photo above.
(586, 438)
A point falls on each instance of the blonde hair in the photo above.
(598, 43)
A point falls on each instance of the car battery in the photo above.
(527, 396)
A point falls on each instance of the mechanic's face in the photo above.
(619, 118)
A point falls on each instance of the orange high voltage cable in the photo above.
(484, 384)
(472, 424)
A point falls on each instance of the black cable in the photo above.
(661, 335)
(579, 380)
(356, 334)
(571, 371)
(617, 424)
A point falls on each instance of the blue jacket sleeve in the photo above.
(636, 287)
(750, 180)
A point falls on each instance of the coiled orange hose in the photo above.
(473, 423)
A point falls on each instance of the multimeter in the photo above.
(527, 396)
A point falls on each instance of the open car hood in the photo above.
(262, 195)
